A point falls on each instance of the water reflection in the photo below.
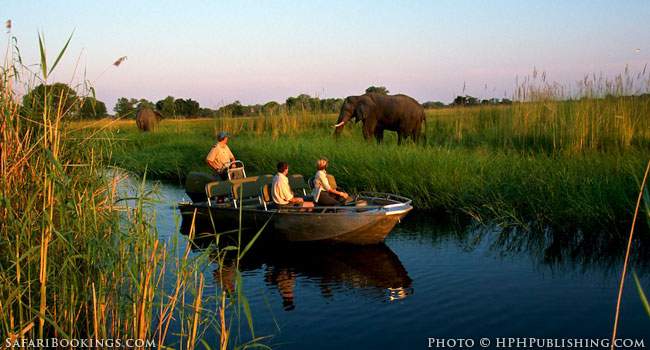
(375, 270)
(557, 250)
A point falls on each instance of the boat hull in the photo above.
(351, 226)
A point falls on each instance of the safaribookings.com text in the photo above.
(78, 343)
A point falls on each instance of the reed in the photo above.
(81, 257)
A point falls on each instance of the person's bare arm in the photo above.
(339, 193)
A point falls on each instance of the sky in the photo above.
(217, 52)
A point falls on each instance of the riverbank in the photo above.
(589, 189)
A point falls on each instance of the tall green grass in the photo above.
(81, 258)
(590, 189)
(556, 126)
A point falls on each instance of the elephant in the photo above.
(147, 119)
(379, 112)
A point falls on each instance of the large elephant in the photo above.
(147, 119)
(380, 112)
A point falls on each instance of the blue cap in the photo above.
(222, 135)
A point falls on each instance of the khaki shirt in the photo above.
(281, 190)
(221, 155)
(320, 184)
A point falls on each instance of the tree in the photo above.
(125, 107)
(234, 109)
(187, 107)
(459, 101)
(271, 107)
(55, 97)
(207, 113)
(433, 104)
(378, 90)
(91, 108)
(331, 105)
(144, 103)
(302, 102)
(166, 107)
(192, 108)
(465, 101)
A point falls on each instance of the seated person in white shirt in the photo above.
(281, 191)
(323, 193)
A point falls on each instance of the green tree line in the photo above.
(88, 107)
(61, 97)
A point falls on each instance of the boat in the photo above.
(367, 219)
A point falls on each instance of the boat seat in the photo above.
(237, 182)
(217, 189)
(298, 184)
(266, 198)
(246, 192)
(264, 179)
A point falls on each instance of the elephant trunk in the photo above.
(340, 123)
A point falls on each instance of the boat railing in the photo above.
(401, 203)
(258, 190)
(328, 209)
(235, 170)
(401, 200)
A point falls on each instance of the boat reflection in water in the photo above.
(374, 271)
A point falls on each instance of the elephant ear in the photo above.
(360, 113)
(363, 109)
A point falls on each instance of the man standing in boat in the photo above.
(281, 191)
(220, 156)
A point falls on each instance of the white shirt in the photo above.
(281, 193)
(320, 184)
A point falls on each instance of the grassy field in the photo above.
(564, 164)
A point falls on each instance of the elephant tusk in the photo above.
(339, 124)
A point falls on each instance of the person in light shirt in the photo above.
(281, 191)
(323, 193)
(220, 156)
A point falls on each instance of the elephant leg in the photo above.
(366, 134)
(379, 134)
(399, 138)
(368, 131)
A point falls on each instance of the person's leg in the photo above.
(223, 175)
(326, 199)
(341, 200)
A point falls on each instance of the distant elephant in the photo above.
(147, 119)
(379, 112)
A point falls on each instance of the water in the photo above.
(431, 280)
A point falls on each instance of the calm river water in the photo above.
(429, 280)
